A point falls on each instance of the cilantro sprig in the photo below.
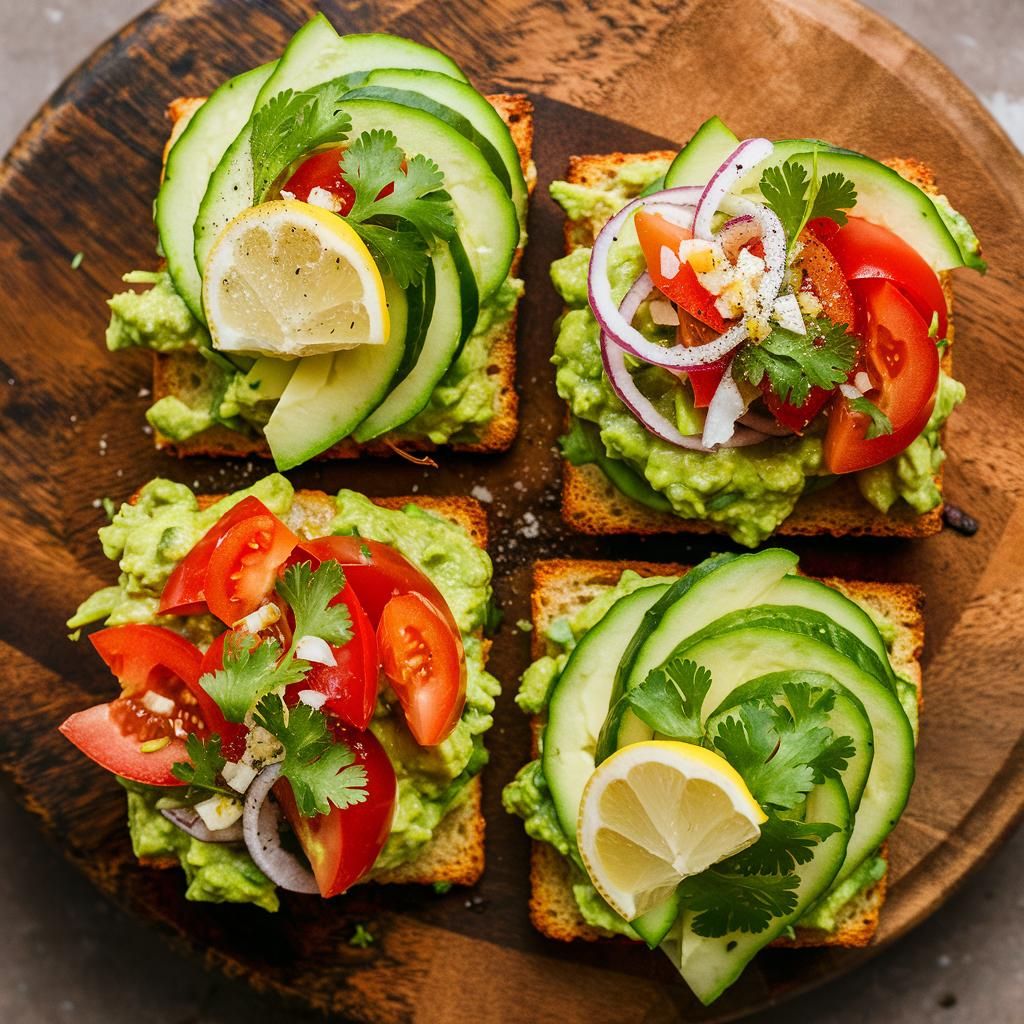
(797, 197)
(203, 768)
(879, 423)
(794, 363)
(398, 228)
(670, 698)
(310, 595)
(321, 771)
(726, 901)
(292, 124)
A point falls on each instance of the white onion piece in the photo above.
(746, 155)
(773, 238)
(786, 313)
(315, 648)
(635, 400)
(726, 407)
(188, 820)
(261, 829)
(850, 392)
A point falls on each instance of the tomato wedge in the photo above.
(342, 846)
(868, 251)
(144, 657)
(423, 659)
(243, 567)
(185, 590)
(902, 363)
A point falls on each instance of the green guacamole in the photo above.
(148, 539)
(459, 409)
(528, 796)
(748, 491)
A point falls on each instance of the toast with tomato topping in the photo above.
(591, 504)
(561, 587)
(185, 374)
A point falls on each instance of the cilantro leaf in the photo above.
(794, 363)
(670, 698)
(309, 594)
(292, 124)
(725, 902)
(399, 227)
(784, 189)
(250, 672)
(835, 194)
(880, 423)
(784, 843)
(204, 765)
(321, 771)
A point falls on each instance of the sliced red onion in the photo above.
(188, 820)
(261, 829)
(746, 155)
(765, 423)
(726, 407)
(735, 233)
(680, 214)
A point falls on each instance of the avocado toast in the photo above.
(445, 372)
(436, 835)
(621, 480)
(578, 603)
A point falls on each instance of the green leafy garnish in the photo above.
(397, 228)
(250, 672)
(362, 937)
(309, 595)
(292, 124)
(880, 423)
(321, 771)
(794, 363)
(724, 902)
(670, 698)
(784, 843)
(782, 752)
(797, 198)
(204, 765)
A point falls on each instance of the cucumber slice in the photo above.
(329, 394)
(190, 163)
(421, 309)
(711, 143)
(653, 926)
(579, 702)
(462, 107)
(268, 377)
(440, 344)
(710, 966)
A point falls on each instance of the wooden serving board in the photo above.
(603, 77)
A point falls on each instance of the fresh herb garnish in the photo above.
(880, 423)
(794, 363)
(723, 901)
(670, 698)
(362, 937)
(292, 124)
(310, 594)
(204, 765)
(784, 843)
(797, 198)
(398, 228)
(320, 770)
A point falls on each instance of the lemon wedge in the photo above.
(288, 279)
(656, 812)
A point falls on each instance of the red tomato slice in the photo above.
(423, 659)
(869, 251)
(342, 846)
(144, 657)
(824, 277)
(243, 567)
(377, 573)
(232, 734)
(98, 733)
(322, 170)
(655, 233)
(903, 365)
(185, 590)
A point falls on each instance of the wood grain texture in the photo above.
(645, 75)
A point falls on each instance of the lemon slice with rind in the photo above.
(657, 812)
(289, 279)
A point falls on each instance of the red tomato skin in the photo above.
(705, 380)
(99, 737)
(903, 362)
(322, 170)
(343, 845)
(141, 655)
(425, 664)
(243, 567)
(868, 251)
(184, 592)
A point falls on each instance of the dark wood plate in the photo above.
(82, 177)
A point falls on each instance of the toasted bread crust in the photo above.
(174, 372)
(592, 505)
(563, 586)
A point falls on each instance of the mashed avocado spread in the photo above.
(149, 538)
(529, 797)
(749, 491)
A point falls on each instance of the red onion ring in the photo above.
(735, 234)
(188, 820)
(765, 424)
(261, 829)
(746, 155)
